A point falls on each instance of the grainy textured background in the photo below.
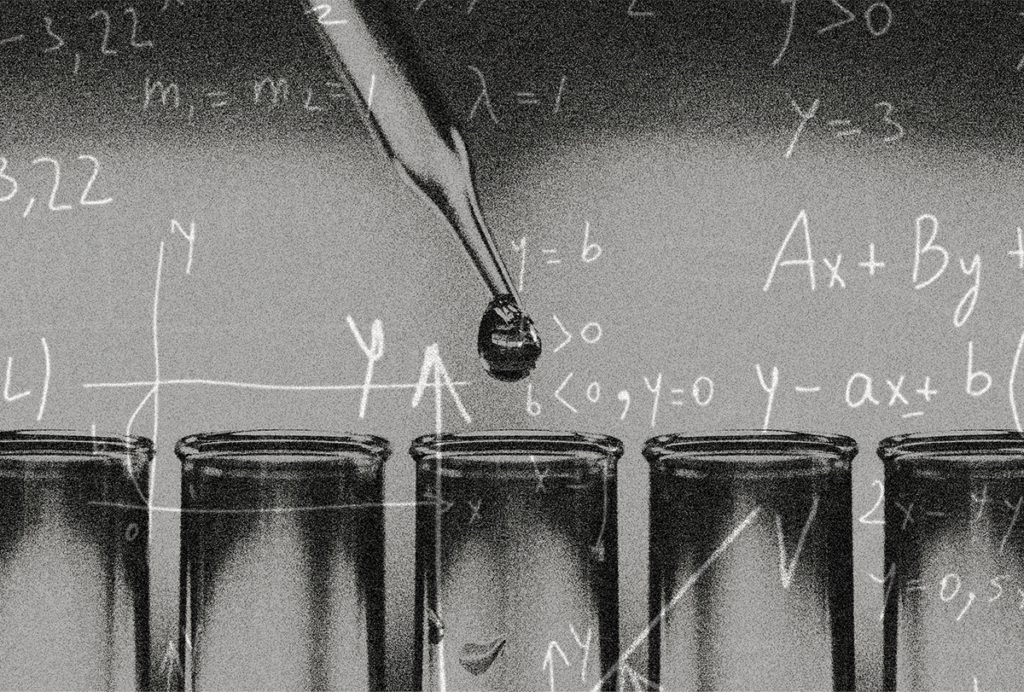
(670, 132)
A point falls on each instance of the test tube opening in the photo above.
(953, 504)
(751, 566)
(516, 547)
(282, 560)
(74, 550)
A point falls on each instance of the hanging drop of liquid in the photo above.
(478, 658)
(415, 127)
(507, 342)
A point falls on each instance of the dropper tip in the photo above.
(508, 343)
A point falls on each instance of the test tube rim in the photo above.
(517, 453)
(955, 452)
(71, 449)
(289, 451)
(762, 453)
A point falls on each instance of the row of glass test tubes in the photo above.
(282, 562)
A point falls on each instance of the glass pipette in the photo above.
(374, 54)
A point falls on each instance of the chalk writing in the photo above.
(590, 252)
(189, 236)
(702, 392)
(474, 509)
(171, 668)
(808, 260)
(907, 394)
(678, 595)
(923, 254)
(10, 397)
(549, 664)
(965, 594)
(522, 98)
(176, 3)
(885, 126)
(634, 10)
(590, 333)
(51, 203)
(170, 91)
(871, 264)
(860, 389)
(442, 504)
(83, 200)
(876, 507)
(786, 572)
(99, 33)
(918, 515)
(637, 681)
(484, 97)
(1019, 251)
(877, 20)
(541, 475)
(769, 390)
(283, 96)
(323, 13)
(289, 95)
(277, 90)
(553, 646)
(373, 353)
(51, 168)
(585, 645)
(433, 375)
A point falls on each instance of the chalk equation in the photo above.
(635, 8)
(101, 34)
(552, 257)
(881, 124)
(43, 174)
(165, 96)
(531, 99)
(433, 373)
(905, 393)
(965, 590)
(169, 96)
(931, 259)
(876, 20)
(986, 517)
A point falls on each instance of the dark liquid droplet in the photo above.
(435, 627)
(478, 658)
(508, 343)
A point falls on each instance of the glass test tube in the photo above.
(516, 561)
(74, 579)
(751, 561)
(282, 542)
(954, 557)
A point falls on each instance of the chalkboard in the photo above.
(796, 215)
